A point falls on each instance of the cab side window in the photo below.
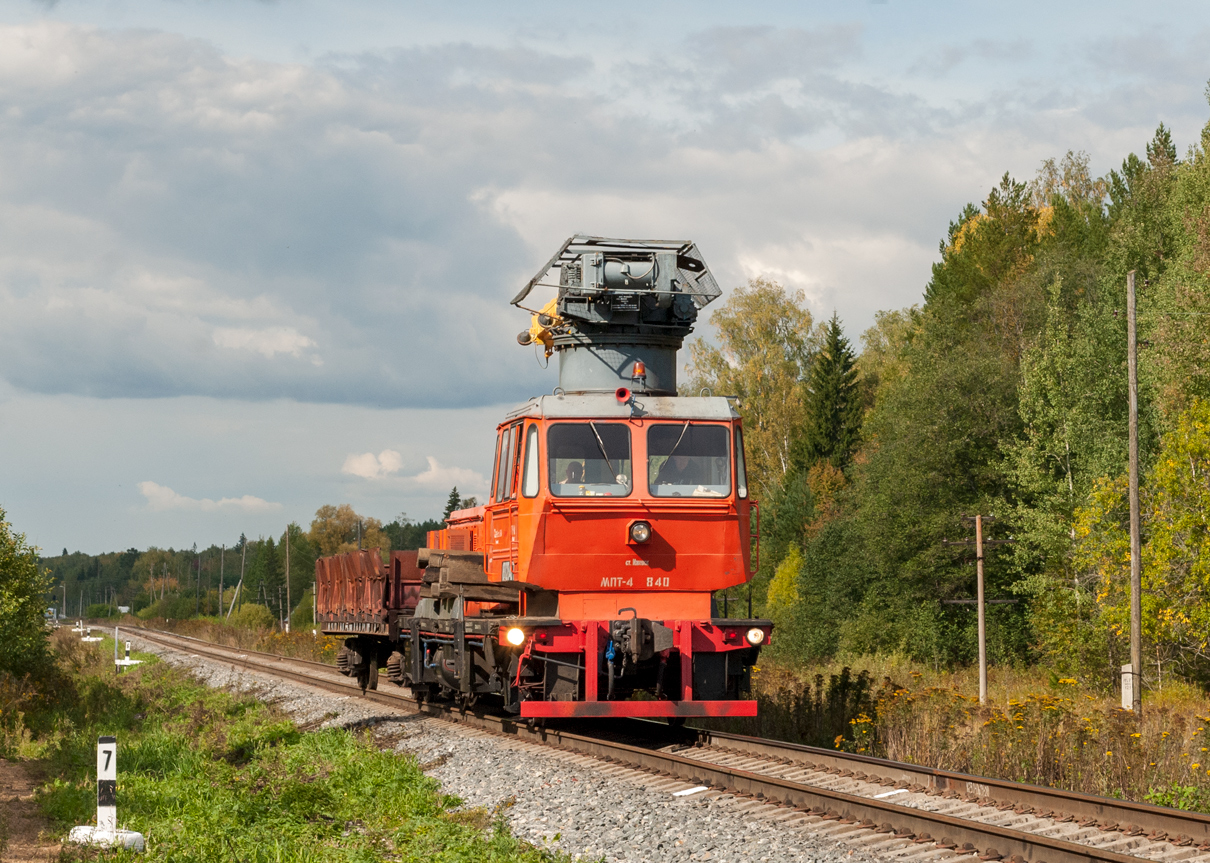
(503, 466)
(496, 467)
(741, 469)
(514, 445)
(529, 480)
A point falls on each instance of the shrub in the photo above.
(179, 607)
(303, 615)
(253, 617)
(23, 587)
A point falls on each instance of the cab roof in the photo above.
(606, 406)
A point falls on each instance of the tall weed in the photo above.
(1038, 728)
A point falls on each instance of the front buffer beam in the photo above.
(567, 709)
(633, 667)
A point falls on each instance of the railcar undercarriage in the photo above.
(544, 666)
(567, 668)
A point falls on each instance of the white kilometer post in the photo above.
(120, 664)
(107, 784)
(106, 832)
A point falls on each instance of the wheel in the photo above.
(676, 722)
(372, 677)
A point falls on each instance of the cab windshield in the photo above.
(589, 459)
(688, 460)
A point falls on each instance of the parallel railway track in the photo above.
(893, 808)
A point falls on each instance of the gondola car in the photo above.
(589, 583)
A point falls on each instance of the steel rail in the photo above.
(1193, 825)
(969, 837)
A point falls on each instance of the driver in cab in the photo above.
(681, 470)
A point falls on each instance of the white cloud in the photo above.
(161, 498)
(438, 477)
(267, 342)
(370, 466)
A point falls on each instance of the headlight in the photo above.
(640, 531)
(516, 636)
(756, 636)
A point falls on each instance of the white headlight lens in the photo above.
(515, 636)
(756, 636)
(640, 531)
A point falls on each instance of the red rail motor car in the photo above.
(589, 584)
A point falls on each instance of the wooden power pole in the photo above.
(980, 601)
(1136, 561)
(289, 607)
(982, 612)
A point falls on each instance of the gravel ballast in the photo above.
(563, 800)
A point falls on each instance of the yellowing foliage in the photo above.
(825, 481)
(334, 531)
(1175, 507)
(965, 233)
(766, 341)
(783, 589)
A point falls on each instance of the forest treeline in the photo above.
(183, 583)
(1004, 392)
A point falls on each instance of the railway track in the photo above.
(885, 807)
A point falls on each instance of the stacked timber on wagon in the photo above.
(356, 593)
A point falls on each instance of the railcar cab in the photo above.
(612, 504)
(622, 517)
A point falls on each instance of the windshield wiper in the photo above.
(678, 440)
(601, 445)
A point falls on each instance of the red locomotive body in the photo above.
(585, 585)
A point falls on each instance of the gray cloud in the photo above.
(174, 221)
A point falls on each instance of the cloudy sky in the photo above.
(255, 256)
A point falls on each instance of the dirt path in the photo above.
(20, 821)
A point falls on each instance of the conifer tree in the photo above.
(833, 404)
(454, 502)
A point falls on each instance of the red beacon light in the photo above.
(639, 375)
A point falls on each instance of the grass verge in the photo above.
(209, 776)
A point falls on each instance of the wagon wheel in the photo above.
(367, 677)
(676, 721)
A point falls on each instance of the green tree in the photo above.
(765, 348)
(932, 447)
(454, 502)
(23, 602)
(833, 408)
(405, 533)
(1175, 499)
(302, 562)
(335, 530)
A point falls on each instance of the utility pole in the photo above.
(979, 543)
(289, 607)
(222, 565)
(243, 559)
(982, 612)
(1136, 559)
